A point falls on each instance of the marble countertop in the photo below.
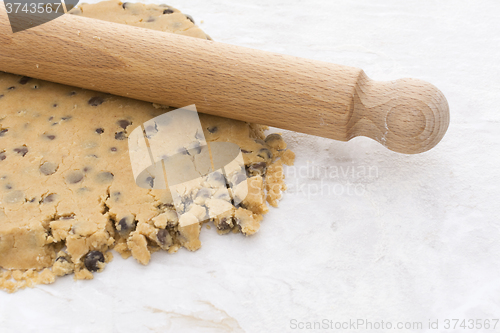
(362, 233)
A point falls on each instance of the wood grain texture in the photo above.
(333, 101)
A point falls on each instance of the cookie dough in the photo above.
(67, 189)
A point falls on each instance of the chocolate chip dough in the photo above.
(67, 192)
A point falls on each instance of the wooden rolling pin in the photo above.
(333, 101)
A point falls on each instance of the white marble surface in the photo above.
(415, 239)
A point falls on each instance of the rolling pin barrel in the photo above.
(313, 97)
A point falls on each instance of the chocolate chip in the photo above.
(14, 196)
(116, 196)
(74, 177)
(96, 101)
(187, 201)
(124, 5)
(165, 206)
(67, 217)
(124, 123)
(260, 141)
(126, 225)
(190, 18)
(161, 235)
(99, 130)
(199, 136)
(50, 136)
(3, 131)
(11, 88)
(113, 149)
(48, 168)
(246, 151)
(225, 223)
(92, 259)
(120, 136)
(168, 11)
(217, 177)
(2, 156)
(151, 19)
(82, 190)
(150, 181)
(54, 105)
(72, 93)
(66, 118)
(62, 259)
(237, 221)
(8, 187)
(265, 154)
(151, 131)
(150, 128)
(50, 118)
(122, 224)
(258, 168)
(238, 178)
(49, 198)
(223, 195)
(104, 177)
(194, 151)
(212, 129)
(164, 237)
(21, 151)
(275, 141)
(87, 169)
(24, 80)
(2, 96)
(203, 193)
